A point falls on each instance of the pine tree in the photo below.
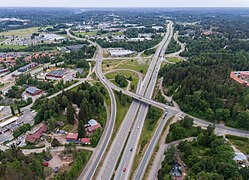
(12, 110)
(81, 131)
(70, 114)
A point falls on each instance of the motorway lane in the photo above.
(119, 141)
(149, 151)
(108, 167)
(95, 159)
(128, 157)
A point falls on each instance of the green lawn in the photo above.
(2, 39)
(127, 74)
(173, 59)
(121, 112)
(126, 64)
(240, 144)
(15, 47)
(20, 32)
(145, 137)
(119, 33)
(90, 33)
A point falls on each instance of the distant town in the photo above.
(124, 93)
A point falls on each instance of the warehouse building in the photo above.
(33, 91)
(56, 73)
(120, 52)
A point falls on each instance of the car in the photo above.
(138, 127)
(124, 169)
(45, 164)
(46, 158)
(56, 170)
(131, 149)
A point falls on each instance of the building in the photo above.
(120, 52)
(72, 137)
(23, 69)
(27, 67)
(240, 77)
(239, 157)
(79, 70)
(56, 73)
(157, 27)
(8, 121)
(33, 91)
(75, 47)
(176, 170)
(85, 141)
(32, 138)
(244, 75)
(92, 122)
(92, 129)
(3, 70)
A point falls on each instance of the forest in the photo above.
(202, 86)
(89, 99)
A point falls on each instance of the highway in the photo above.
(149, 151)
(148, 84)
(94, 161)
(111, 159)
(96, 157)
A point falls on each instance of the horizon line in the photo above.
(126, 7)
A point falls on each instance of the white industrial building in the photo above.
(120, 52)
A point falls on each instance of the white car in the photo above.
(138, 127)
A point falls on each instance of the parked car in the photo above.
(56, 170)
(45, 164)
(46, 158)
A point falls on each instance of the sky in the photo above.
(124, 3)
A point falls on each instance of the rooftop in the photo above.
(72, 136)
(32, 89)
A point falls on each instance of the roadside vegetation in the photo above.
(241, 143)
(174, 59)
(132, 64)
(183, 129)
(121, 78)
(149, 127)
(123, 103)
(173, 47)
(80, 160)
(208, 157)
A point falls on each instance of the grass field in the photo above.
(173, 59)
(2, 39)
(121, 112)
(20, 32)
(15, 47)
(119, 33)
(144, 140)
(90, 33)
(126, 64)
(242, 145)
(94, 33)
(127, 74)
